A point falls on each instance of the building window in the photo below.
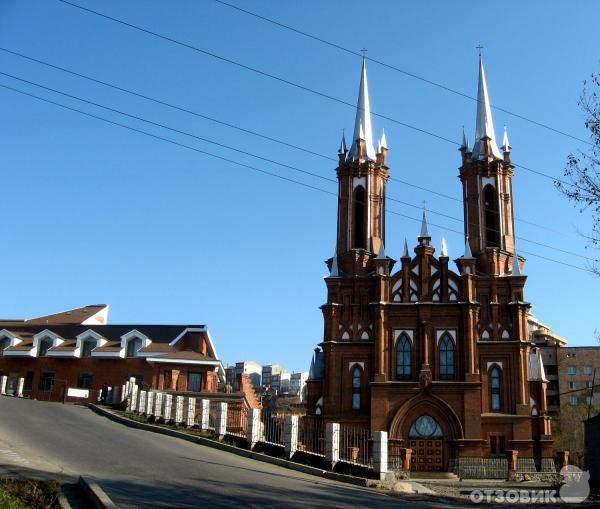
(574, 400)
(4, 342)
(356, 384)
(85, 380)
(497, 445)
(588, 400)
(194, 382)
(28, 385)
(446, 358)
(133, 346)
(551, 370)
(587, 370)
(589, 384)
(139, 378)
(403, 358)
(87, 347)
(425, 427)
(43, 347)
(572, 370)
(495, 389)
(359, 218)
(46, 382)
(492, 216)
(572, 385)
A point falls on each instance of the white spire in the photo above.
(468, 253)
(424, 231)
(383, 140)
(516, 268)
(362, 124)
(505, 144)
(444, 251)
(405, 252)
(484, 126)
(334, 272)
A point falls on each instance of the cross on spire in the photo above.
(364, 52)
(480, 47)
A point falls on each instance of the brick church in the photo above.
(434, 353)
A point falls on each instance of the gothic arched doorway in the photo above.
(426, 439)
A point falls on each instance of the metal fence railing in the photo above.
(273, 428)
(311, 434)
(212, 415)
(237, 420)
(355, 445)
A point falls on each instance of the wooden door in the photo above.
(427, 455)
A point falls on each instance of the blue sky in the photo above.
(93, 213)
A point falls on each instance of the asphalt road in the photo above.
(143, 469)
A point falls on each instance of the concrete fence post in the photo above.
(332, 443)
(126, 389)
(290, 434)
(20, 386)
(132, 400)
(122, 394)
(191, 412)
(167, 405)
(221, 420)
(380, 453)
(3, 382)
(149, 403)
(178, 409)
(158, 405)
(253, 433)
(141, 408)
(204, 414)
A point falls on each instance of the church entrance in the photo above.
(426, 440)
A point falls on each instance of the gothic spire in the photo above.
(363, 119)
(484, 126)
(516, 268)
(383, 140)
(464, 143)
(444, 251)
(381, 255)
(343, 148)
(405, 252)
(334, 272)
(505, 144)
(468, 253)
(424, 231)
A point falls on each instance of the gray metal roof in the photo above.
(484, 124)
(362, 124)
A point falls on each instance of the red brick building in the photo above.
(78, 349)
(437, 356)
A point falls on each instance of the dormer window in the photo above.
(133, 346)
(4, 343)
(43, 347)
(86, 347)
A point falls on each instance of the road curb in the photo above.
(96, 495)
(318, 472)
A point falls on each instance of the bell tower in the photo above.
(486, 174)
(362, 176)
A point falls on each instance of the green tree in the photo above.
(582, 172)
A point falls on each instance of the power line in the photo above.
(241, 129)
(296, 85)
(253, 168)
(229, 147)
(397, 69)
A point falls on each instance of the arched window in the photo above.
(425, 427)
(403, 358)
(4, 342)
(359, 218)
(133, 345)
(87, 346)
(495, 403)
(446, 358)
(43, 347)
(492, 216)
(356, 383)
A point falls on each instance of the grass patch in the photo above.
(28, 494)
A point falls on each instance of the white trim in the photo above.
(185, 331)
(21, 353)
(114, 354)
(14, 340)
(185, 361)
(440, 332)
(67, 353)
(100, 340)
(354, 363)
(409, 332)
(125, 338)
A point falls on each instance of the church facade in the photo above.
(433, 352)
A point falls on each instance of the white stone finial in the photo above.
(363, 118)
(405, 252)
(468, 253)
(424, 231)
(516, 268)
(444, 251)
(484, 125)
(383, 140)
(505, 144)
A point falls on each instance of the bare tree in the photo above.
(582, 173)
